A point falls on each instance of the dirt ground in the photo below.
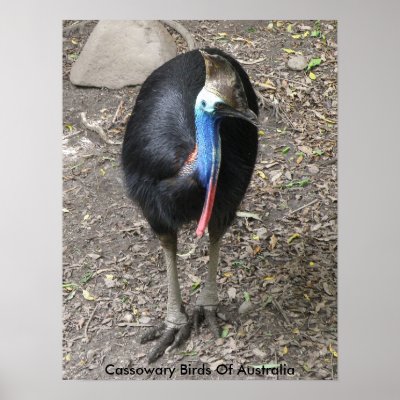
(280, 255)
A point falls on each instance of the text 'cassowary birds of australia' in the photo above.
(188, 154)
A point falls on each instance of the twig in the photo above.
(118, 111)
(73, 188)
(305, 205)
(98, 129)
(251, 62)
(134, 324)
(289, 120)
(183, 32)
(87, 323)
(279, 308)
(329, 162)
(74, 339)
(71, 135)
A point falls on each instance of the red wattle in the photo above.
(207, 209)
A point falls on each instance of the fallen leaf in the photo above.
(267, 85)
(269, 278)
(327, 289)
(261, 175)
(294, 236)
(314, 62)
(272, 242)
(87, 295)
(306, 150)
(232, 293)
(259, 353)
(275, 175)
(332, 351)
(245, 214)
(289, 51)
(320, 116)
(256, 250)
(312, 76)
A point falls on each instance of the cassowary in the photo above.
(188, 154)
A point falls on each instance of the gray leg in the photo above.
(207, 301)
(176, 328)
(208, 297)
(175, 315)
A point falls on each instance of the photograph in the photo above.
(199, 188)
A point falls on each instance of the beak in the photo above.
(224, 110)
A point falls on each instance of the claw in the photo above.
(209, 314)
(166, 339)
(181, 336)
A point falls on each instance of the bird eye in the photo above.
(218, 106)
(203, 103)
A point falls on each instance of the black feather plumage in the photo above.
(161, 134)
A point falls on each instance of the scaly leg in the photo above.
(176, 328)
(207, 302)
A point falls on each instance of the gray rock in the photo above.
(297, 63)
(122, 53)
(245, 307)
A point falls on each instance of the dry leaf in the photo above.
(294, 236)
(232, 293)
(245, 214)
(272, 242)
(87, 295)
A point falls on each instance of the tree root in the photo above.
(176, 26)
(98, 129)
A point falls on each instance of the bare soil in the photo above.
(283, 257)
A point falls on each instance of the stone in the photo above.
(122, 53)
(245, 307)
(297, 63)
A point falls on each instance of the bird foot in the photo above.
(209, 314)
(170, 336)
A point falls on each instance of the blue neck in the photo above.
(208, 146)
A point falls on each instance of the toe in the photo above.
(211, 319)
(198, 317)
(181, 336)
(165, 341)
(152, 333)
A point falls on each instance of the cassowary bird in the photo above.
(188, 154)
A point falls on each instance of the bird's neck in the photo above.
(208, 147)
(207, 162)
